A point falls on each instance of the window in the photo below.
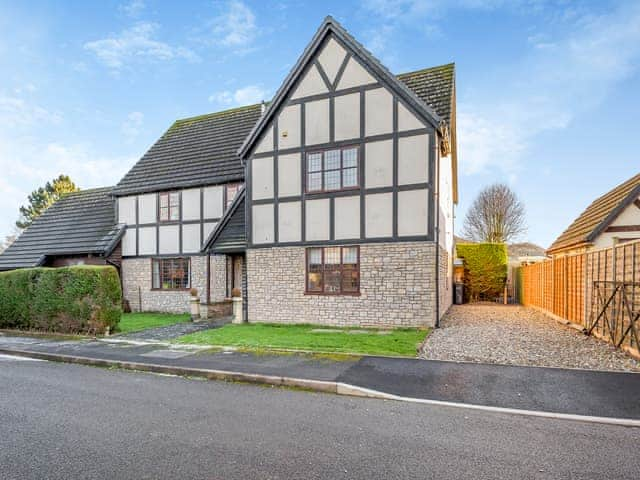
(169, 206)
(332, 170)
(333, 271)
(232, 191)
(170, 274)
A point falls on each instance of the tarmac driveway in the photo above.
(516, 335)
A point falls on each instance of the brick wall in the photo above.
(136, 283)
(397, 288)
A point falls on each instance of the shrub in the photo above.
(78, 299)
(485, 267)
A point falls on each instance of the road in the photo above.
(61, 421)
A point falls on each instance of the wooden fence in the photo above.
(598, 290)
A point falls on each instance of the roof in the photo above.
(79, 223)
(597, 216)
(525, 249)
(331, 26)
(230, 232)
(193, 152)
(434, 86)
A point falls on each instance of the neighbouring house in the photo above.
(524, 253)
(331, 205)
(612, 218)
(78, 229)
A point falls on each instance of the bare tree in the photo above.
(496, 216)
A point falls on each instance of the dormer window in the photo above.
(169, 206)
(331, 170)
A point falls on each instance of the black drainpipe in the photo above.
(436, 197)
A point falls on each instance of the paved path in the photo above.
(515, 335)
(603, 394)
(64, 422)
(173, 331)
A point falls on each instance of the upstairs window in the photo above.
(333, 271)
(170, 274)
(232, 191)
(169, 206)
(332, 170)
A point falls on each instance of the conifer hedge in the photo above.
(78, 299)
(485, 267)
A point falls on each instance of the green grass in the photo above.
(400, 342)
(133, 322)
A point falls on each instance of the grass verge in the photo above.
(312, 338)
(134, 322)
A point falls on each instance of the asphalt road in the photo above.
(60, 421)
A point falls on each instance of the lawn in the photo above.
(133, 322)
(400, 342)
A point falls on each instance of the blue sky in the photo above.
(548, 91)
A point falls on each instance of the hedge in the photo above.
(485, 267)
(78, 299)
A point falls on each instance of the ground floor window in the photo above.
(333, 270)
(170, 273)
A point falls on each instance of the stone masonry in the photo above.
(136, 283)
(445, 281)
(397, 288)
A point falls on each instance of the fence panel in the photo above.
(598, 290)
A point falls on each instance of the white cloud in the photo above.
(235, 27)
(132, 126)
(134, 44)
(569, 77)
(15, 111)
(133, 8)
(243, 96)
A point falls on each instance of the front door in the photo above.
(234, 273)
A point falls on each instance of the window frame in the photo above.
(228, 201)
(169, 208)
(323, 169)
(322, 283)
(164, 259)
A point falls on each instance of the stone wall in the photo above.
(397, 288)
(445, 281)
(136, 285)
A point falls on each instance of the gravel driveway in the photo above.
(516, 335)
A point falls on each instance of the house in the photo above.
(613, 217)
(525, 253)
(65, 235)
(331, 205)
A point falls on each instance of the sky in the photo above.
(548, 92)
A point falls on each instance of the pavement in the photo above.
(63, 421)
(603, 396)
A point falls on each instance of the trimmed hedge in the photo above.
(78, 299)
(485, 267)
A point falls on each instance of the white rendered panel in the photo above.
(407, 120)
(266, 144)
(317, 122)
(169, 239)
(354, 75)
(147, 243)
(378, 164)
(413, 212)
(413, 159)
(311, 84)
(289, 175)
(191, 204)
(378, 112)
(262, 178)
(262, 221)
(289, 127)
(289, 221)
(191, 238)
(127, 210)
(147, 208)
(129, 242)
(317, 219)
(379, 215)
(331, 58)
(213, 198)
(347, 116)
(347, 217)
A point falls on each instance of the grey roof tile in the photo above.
(434, 86)
(193, 152)
(80, 223)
